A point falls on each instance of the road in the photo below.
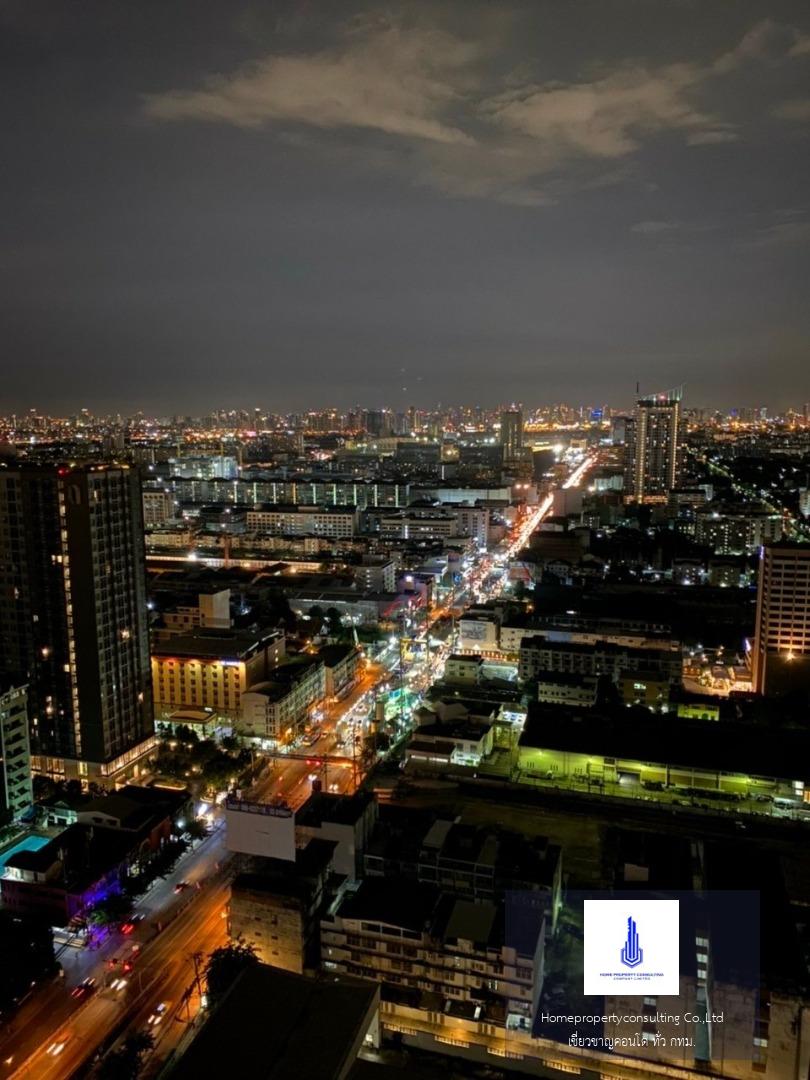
(162, 973)
(52, 1008)
(290, 779)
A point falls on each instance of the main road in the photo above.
(51, 1008)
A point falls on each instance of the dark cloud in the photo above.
(285, 204)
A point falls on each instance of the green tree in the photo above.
(316, 615)
(112, 910)
(196, 829)
(225, 965)
(125, 1063)
(334, 622)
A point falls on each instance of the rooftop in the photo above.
(323, 807)
(216, 644)
(403, 903)
(748, 749)
(332, 655)
(278, 1025)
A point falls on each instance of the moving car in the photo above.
(84, 989)
(56, 1048)
(156, 1017)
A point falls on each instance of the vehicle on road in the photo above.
(181, 886)
(84, 989)
(56, 1048)
(156, 1017)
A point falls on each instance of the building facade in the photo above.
(212, 669)
(653, 448)
(304, 521)
(73, 615)
(511, 434)
(16, 790)
(455, 954)
(781, 649)
(278, 709)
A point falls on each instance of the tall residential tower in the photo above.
(653, 448)
(73, 616)
(512, 434)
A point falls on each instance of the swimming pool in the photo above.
(28, 843)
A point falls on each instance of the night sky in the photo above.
(292, 204)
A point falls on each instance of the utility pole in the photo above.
(196, 959)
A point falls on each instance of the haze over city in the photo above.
(303, 204)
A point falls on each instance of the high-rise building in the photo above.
(73, 616)
(16, 791)
(781, 649)
(511, 434)
(653, 448)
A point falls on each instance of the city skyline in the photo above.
(520, 201)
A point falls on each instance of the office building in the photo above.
(73, 616)
(653, 448)
(512, 434)
(781, 649)
(16, 791)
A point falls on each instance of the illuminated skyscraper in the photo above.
(653, 448)
(512, 434)
(73, 616)
(781, 650)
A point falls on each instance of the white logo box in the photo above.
(612, 947)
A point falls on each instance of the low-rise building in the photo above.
(211, 612)
(277, 709)
(462, 668)
(275, 906)
(645, 688)
(277, 1024)
(66, 875)
(341, 668)
(346, 819)
(479, 961)
(478, 632)
(449, 742)
(336, 522)
(539, 655)
(375, 573)
(473, 861)
(158, 507)
(566, 688)
(626, 750)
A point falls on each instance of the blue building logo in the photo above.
(631, 953)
